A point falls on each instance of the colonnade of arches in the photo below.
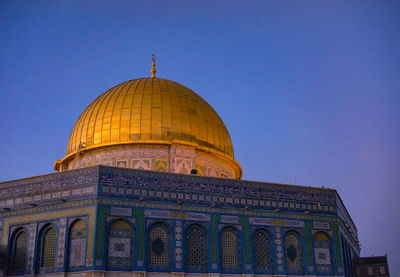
(120, 249)
(47, 249)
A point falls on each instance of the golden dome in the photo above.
(148, 111)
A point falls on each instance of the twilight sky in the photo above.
(309, 90)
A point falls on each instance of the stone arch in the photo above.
(196, 247)
(77, 241)
(120, 238)
(293, 252)
(230, 250)
(159, 246)
(47, 249)
(262, 251)
(322, 253)
(18, 252)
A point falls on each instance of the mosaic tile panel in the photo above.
(261, 250)
(109, 175)
(178, 246)
(293, 254)
(279, 248)
(49, 248)
(323, 264)
(200, 198)
(158, 246)
(339, 259)
(77, 245)
(176, 215)
(62, 229)
(121, 163)
(72, 193)
(120, 245)
(321, 225)
(42, 214)
(230, 250)
(77, 253)
(140, 233)
(244, 221)
(196, 247)
(229, 219)
(215, 219)
(161, 165)
(118, 211)
(221, 200)
(31, 246)
(52, 182)
(308, 235)
(274, 221)
(20, 246)
(102, 212)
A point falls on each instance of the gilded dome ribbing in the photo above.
(150, 110)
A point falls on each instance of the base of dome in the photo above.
(174, 157)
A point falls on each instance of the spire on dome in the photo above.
(153, 66)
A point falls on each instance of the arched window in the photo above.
(120, 245)
(293, 252)
(47, 249)
(230, 250)
(322, 253)
(77, 245)
(158, 246)
(18, 255)
(196, 248)
(262, 251)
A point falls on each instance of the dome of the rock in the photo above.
(96, 219)
(155, 124)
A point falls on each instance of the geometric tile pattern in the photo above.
(48, 249)
(48, 197)
(165, 193)
(244, 221)
(196, 247)
(274, 221)
(110, 175)
(214, 237)
(19, 252)
(202, 198)
(139, 213)
(120, 245)
(279, 253)
(230, 250)
(100, 231)
(61, 243)
(322, 253)
(77, 249)
(178, 244)
(158, 246)
(78, 184)
(161, 165)
(293, 256)
(261, 250)
(48, 184)
(47, 215)
(308, 235)
(77, 245)
(31, 247)
(339, 261)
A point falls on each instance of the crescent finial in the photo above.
(153, 66)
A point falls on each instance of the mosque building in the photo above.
(149, 186)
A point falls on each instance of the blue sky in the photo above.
(309, 90)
